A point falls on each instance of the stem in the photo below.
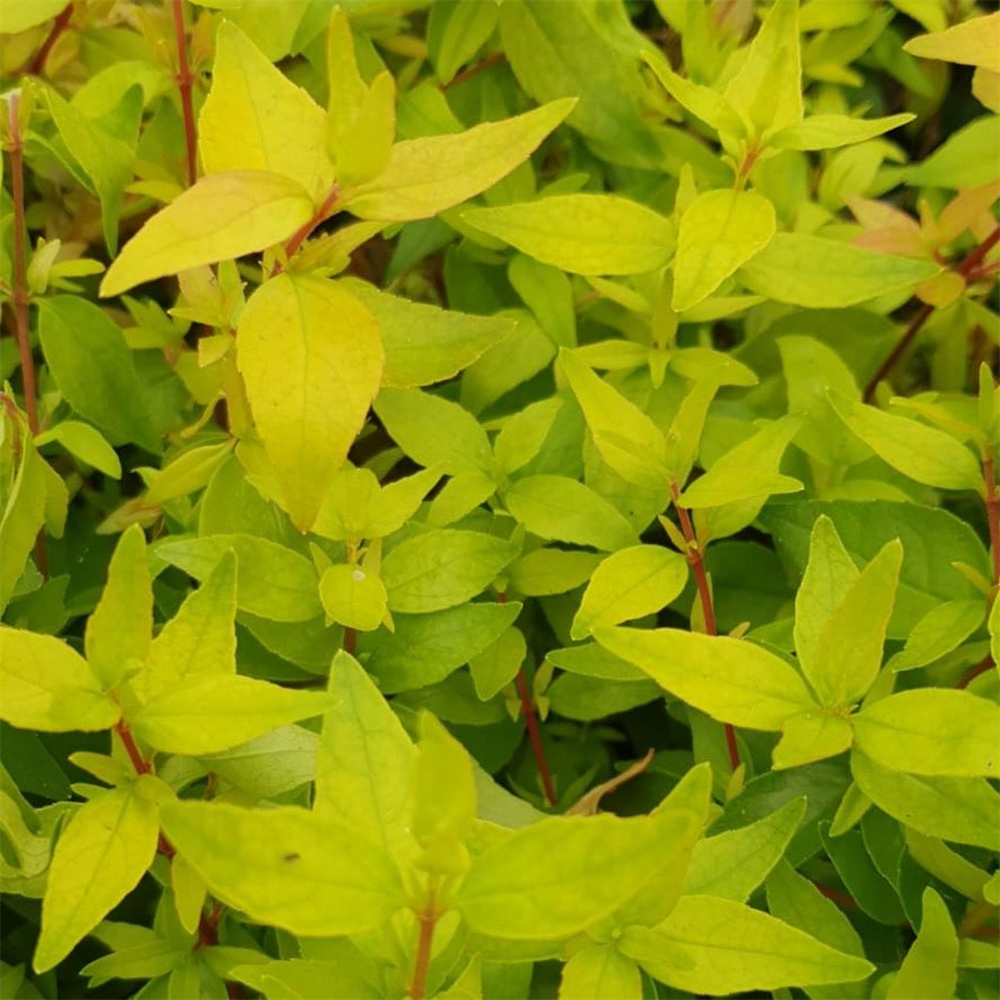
(993, 513)
(494, 59)
(302, 233)
(208, 928)
(427, 918)
(37, 64)
(139, 763)
(350, 640)
(979, 668)
(184, 79)
(841, 898)
(968, 267)
(535, 737)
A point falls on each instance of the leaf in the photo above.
(222, 216)
(121, 626)
(932, 731)
(272, 581)
(548, 293)
(735, 949)
(941, 630)
(210, 714)
(812, 736)
(255, 118)
(20, 15)
(719, 232)
(974, 42)
(309, 381)
(442, 568)
(730, 679)
(632, 582)
(311, 876)
(963, 160)
(926, 454)
(600, 972)
(819, 273)
(86, 443)
(455, 32)
(831, 131)
(353, 597)
(551, 571)
(94, 368)
(48, 686)
(100, 857)
(524, 434)
(425, 176)
(582, 233)
(497, 665)
(565, 510)
(929, 968)
(23, 516)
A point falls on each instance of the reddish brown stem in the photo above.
(993, 513)
(184, 80)
(980, 668)
(37, 64)
(302, 233)
(494, 59)
(535, 737)
(208, 927)
(139, 763)
(350, 640)
(427, 918)
(968, 267)
(840, 898)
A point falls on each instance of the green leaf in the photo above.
(971, 43)
(455, 32)
(731, 865)
(932, 731)
(810, 737)
(210, 714)
(600, 972)
(730, 679)
(23, 516)
(524, 433)
(309, 381)
(734, 949)
(187, 473)
(950, 867)
(353, 596)
(99, 859)
(311, 876)
(20, 15)
(548, 293)
(702, 102)
(434, 431)
(497, 665)
(832, 131)
(255, 118)
(86, 443)
(963, 160)
(819, 273)
(926, 454)
(551, 571)
(121, 626)
(562, 509)
(941, 630)
(632, 582)
(425, 176)
(93, 366)
(222, 216)
(272, 581)
(270, 765)
(48, 686)
(929, 968)
(582, 233)
(719, 232)
(439, 569)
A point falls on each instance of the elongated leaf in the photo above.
(311, 358)
(929, 968)
(971, 43)
(311, 876)
(222, 216)
(730, 679)
(23, 517)
(426, 176)
(831, 131)
(48, 686)
(85, 443)
(24, 14)
(812, 736)
(600, 972)
(497, 665)
(582, 233)
(932, 731)
(100, 857)
(941, 630)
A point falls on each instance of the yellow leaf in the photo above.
(222, 216)
(255, 118)
(311, 356)
(975, 42)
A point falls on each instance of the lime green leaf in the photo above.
(734, 949)
(23, 516)
(434, 431)
(929, 969)
(926, 454)
(523, 434)
(365, 760)
(932, 731)
(121, 626)
(565, 510)
(311, 876)
(632, 582)
(730, 679)
(272, 581)
(47, 685)
(396, 503)
(497, 665)
(20, 15)
(442, 568)
(963, 160)
(281, 760)
(86, 443)
(941, 630)
(962, 810)
(811, 736)
(582, 233)
(222, 216)
(719, 232)
(189, 893)
(600, 972)
(455, 32)
(732, 864)
(703, 102)
(552, 571)
(831, 131)
(309, 381)
(255, 118)
(548, 293)
(188, 472)
(819, 273)
(715, 489)
(100, 857)
(213, 713)
(426, 176)
(200, 640)
(353, 596)
(941, 861)
(975, 42)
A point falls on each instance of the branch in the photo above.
(37, 64)
(184, 79)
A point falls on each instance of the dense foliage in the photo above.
(500, 499)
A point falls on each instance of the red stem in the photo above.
(37, 64)
(979, 668)
(427, 918)
(184, 79)
(302, 233)
(350, 640)
(842, 899)
(993, 513)
(139, 763)
(494, 59)
(535, 737)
